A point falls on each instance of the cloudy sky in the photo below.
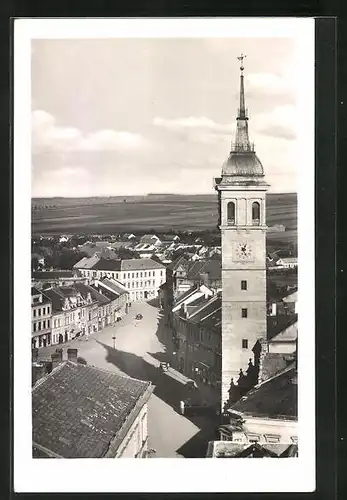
(132, 116)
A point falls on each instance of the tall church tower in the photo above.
(241, 193)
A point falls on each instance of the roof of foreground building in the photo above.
(79, 411)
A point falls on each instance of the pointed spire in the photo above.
(242, 143)
(242, 109)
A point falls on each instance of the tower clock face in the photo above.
(244, 251)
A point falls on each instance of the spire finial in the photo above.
(241, 58)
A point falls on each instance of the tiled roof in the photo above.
(292, 297)
(87, 262)
(149, 237)
(78, 410)
(170, 237)
(121, 244)
(289, 334)
(181, 298)
(47, 275)
(273, 363)
(56, 299)
(107, 265)
(116, 286)
(277, 324)
(139, 264)
(95, 295)
(210, 314)
(274, 398)
(212, 267)
(180, 261)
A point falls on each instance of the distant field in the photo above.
(161, 213)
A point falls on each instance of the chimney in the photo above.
(57, 358)
(204, 278)
(273, 309)
(34, 354)
(37, 372)
(72, 355)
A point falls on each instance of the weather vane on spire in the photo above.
(241, 58)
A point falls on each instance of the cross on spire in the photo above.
(241, 58)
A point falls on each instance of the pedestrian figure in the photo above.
(182, 407)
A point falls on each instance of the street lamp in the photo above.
(114, 341)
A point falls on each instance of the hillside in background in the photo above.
(160, 212)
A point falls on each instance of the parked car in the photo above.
(138, 316)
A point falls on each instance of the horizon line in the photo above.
(144, 195)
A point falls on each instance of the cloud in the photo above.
(191, 122)
(196, 129)
(278, 123)
(48, 136)
(269, 83)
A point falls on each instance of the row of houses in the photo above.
(141, 278)
(60, 313)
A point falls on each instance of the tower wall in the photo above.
(242, 193)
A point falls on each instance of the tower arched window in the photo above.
(231, 213)
(256, 213)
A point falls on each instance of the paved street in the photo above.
(137, 353)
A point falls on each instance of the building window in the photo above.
(132, 275)
(255, 213)
(141, 283)
(48, 310)
(161, 273)
(39, 325)
(253, 438)
(128, 275)
(39, 312)
(231, 212)
(244, 312)
(243, 285)
(34, 327)
(272, 438)
(44, 324)
(244, 344)
(145, 274)
(34, 312)
(140, 275)
(116, 276)
(137, 275)
(43, 311)
(48, 323)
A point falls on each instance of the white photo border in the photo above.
(160, 475)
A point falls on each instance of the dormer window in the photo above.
(231, 213)
(256, 213)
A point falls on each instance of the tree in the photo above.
(125, 253)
